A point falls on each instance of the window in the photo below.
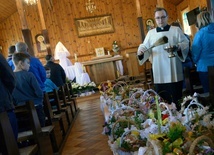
(186, 26)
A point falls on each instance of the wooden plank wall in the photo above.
(61, 27)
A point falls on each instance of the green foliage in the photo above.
(176, 131)
(166, 148)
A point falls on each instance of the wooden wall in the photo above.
(61, 27)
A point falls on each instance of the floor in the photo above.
(86, 136)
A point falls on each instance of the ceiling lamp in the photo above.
(90, 6)
(30, 2)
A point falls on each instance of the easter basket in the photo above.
(131, 141)
(190, 114)
(201, 143)
(119, 127)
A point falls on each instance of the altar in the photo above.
(101, 70)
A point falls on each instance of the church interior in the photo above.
(100, 39)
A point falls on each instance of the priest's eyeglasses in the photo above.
(162, 17)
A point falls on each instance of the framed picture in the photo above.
(100, 51)
(150, 24)
(40, 43)
(96, 25)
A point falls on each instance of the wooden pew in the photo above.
(8, 144)
(56, 121)
(41, 136)
(65, 102)
(55, 102)
(71, 97)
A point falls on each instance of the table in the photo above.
(102, 69)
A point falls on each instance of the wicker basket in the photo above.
(151, 91)
(193, 102)
(138, 93)
(134, 103)
(118, 111)
(125, 123)
(135, 145)
(154, 147)
(199, 140)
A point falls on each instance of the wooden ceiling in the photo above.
(8, 7)
(175, 2)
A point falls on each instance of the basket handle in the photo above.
(193, 102)
(121, 120)
(122, 108)
(150, 90)
(197, 140)
(137, 92)
(130, 100)
(124, 134)
(167, 108)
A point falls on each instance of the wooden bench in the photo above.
(71, 97)
(56, 121)
(58, 109)
(8, 143)
(65, 102)
(40, 136)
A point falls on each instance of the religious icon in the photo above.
(100, 51)
(40, 42)
(150, 24)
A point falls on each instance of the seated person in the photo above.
(49, 85)
(27, 88)
(57, 72)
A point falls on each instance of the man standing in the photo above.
(57, 72)
(167, 72)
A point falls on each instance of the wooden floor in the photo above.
(86, 136)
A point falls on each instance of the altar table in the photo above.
(101, 70)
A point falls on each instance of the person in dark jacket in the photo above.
(57, 72)
(27, 88)
(7, 84)
(11, 51)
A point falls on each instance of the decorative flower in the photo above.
(78, 89)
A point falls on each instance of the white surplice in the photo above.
(165, 69)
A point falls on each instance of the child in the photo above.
(49, 85)
(27, 87)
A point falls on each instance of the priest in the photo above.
(167, 67)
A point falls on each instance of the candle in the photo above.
(108, 53)
(159, 114)
(75, 56)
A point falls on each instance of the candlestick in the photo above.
(75, 56)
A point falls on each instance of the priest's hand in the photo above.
(141, 50)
